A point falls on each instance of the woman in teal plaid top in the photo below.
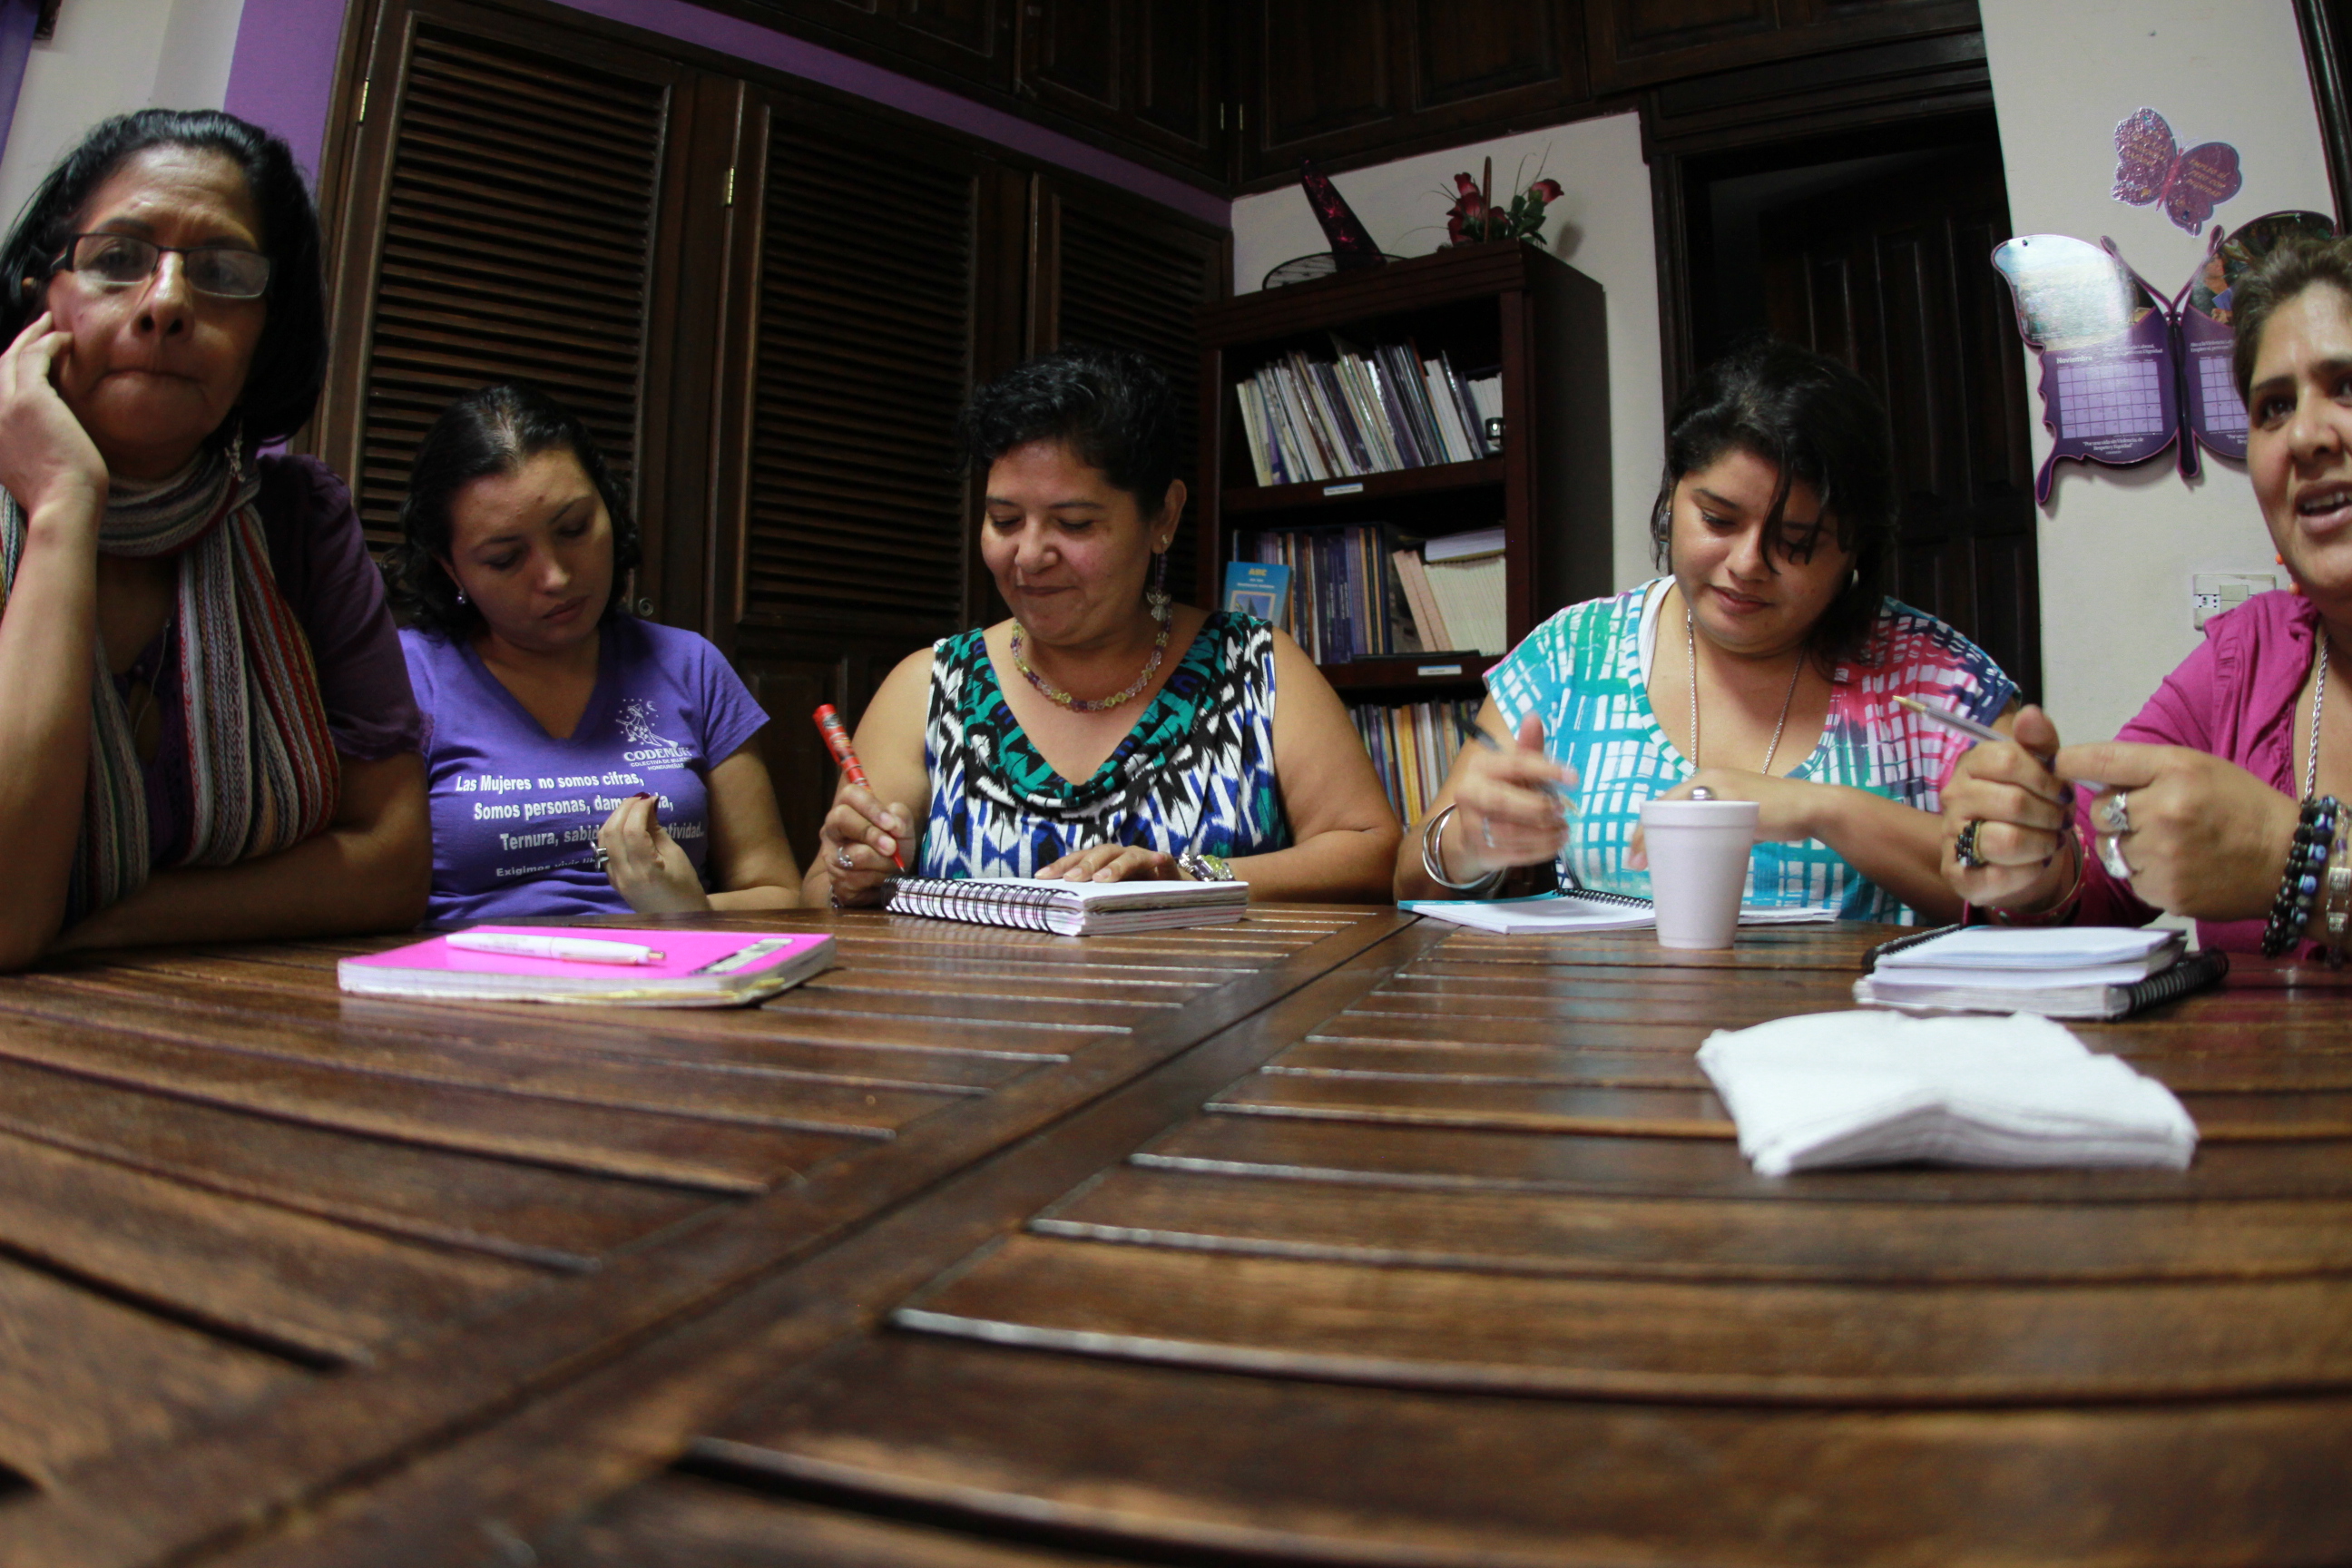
(1764, 666)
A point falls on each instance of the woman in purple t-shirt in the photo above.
(581, 762)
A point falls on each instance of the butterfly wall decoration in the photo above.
(2126, 370)
(2150, 168)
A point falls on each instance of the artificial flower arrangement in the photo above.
(1473, 217)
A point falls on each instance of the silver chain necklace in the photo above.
(2319, 700)
(1690, 639)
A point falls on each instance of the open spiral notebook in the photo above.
(1586, 909)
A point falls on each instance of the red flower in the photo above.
(1547, 189)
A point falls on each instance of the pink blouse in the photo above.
(2233, 699)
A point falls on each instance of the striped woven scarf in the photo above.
(262, 772)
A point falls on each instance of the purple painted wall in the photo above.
(283, 74)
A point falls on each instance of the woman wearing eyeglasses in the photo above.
(206, 729)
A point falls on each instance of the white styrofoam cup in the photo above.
(1698, 865)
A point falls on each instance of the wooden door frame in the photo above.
(2325, 40)
(1904, 85)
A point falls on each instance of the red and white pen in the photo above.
(836, 741)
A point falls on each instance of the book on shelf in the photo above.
(1412, 746)
(1067, 909)
(1365, 590)
(1260, 588)
(1363, 411)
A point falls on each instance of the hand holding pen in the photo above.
(860, 846)
(1510, 805)
(2008, 817)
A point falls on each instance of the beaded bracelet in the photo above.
(2306, 859)
(2340, 892)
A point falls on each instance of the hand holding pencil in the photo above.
(861, 844)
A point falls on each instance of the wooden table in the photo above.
(1331, 1236)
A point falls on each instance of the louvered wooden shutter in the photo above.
(855, 517)
(1122, 275)
(517, 240)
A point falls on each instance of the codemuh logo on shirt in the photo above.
(638, 717)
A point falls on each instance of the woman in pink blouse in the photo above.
(2216, 801)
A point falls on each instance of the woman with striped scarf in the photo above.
(206, 730)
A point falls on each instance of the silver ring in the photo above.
(841, 859)
(1702, 793)
(604, 858)
(2111, 855)
(1485, 833)
(2114, 814)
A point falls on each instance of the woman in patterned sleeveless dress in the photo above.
(1102, 733)
(1763, 667)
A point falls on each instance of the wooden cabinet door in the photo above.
(970, 39)
(1640, 43)
(520, 216)
(1147, 71)
(855, 311)
(1338, 81)
(1111, 270)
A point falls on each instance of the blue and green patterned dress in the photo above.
(1195, 773)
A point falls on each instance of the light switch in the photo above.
(2211, 592)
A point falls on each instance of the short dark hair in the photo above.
(2296, 263)
(1112, 407)
(290, 363)
(495, 430)
(1820, 425)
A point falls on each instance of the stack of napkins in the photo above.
(1866, 1089)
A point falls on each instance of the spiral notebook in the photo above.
(1067, 909)
(2058, 972)
(1586, 909)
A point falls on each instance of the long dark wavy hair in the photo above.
(1820, 425)
(495, 430)
(290, 362)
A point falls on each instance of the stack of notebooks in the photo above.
(1861, 1089)
(610, 966)
(1362, 412)
(1353, 594)
(2068, 972)
(1584, 909)
(1068, 908)
(1413, 747)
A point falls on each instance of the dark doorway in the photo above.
(1874, 249)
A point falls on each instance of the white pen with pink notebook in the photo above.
(639, 967)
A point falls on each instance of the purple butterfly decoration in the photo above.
(2151, 168)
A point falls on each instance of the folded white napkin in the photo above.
(1855, 1089)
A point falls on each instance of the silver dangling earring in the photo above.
(461, 596)
(1155, 597)
(237, 447)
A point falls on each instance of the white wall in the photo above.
(2119, 545)
(110, 56)
(1600, 225)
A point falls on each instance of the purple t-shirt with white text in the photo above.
(515, 811)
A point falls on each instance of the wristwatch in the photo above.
(1205, 868)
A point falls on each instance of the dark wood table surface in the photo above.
(1332, 1235)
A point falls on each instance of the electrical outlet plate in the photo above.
(2211, 592)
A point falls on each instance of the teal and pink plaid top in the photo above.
(1585, 672)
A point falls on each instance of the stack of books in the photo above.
(1362, 412)
(1413, 748)
(1454, 587)
(1353, 594)
(2063, 972)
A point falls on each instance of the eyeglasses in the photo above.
(119, 260)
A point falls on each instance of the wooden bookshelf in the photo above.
(1408, 677)
(1505, 307)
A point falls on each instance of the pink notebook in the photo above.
(698, 968)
